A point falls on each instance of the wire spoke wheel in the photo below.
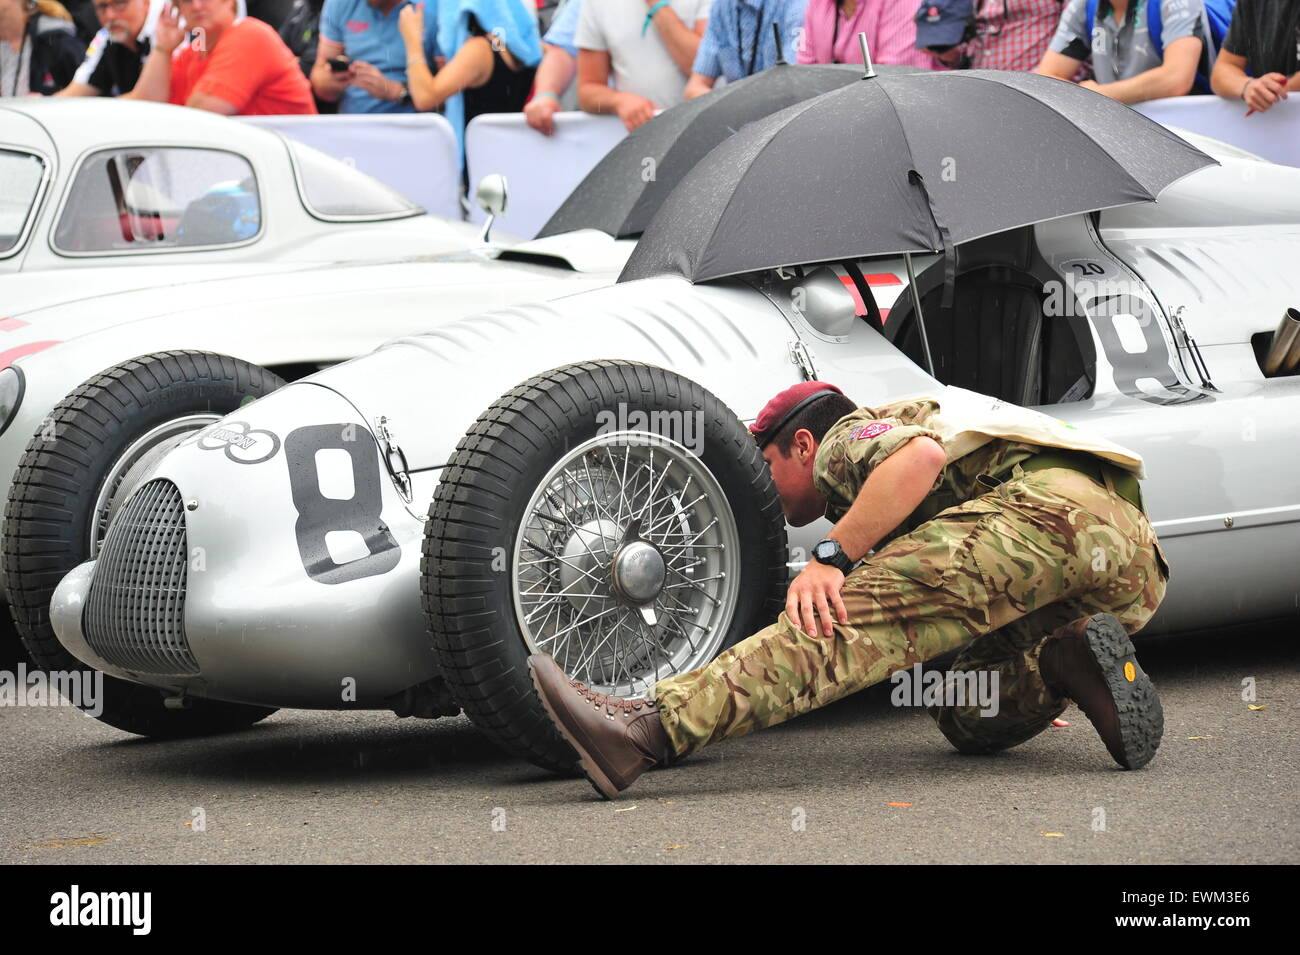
(623, 564)
(627, 555)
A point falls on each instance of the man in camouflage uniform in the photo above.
(1041, 553)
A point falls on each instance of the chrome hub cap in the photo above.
(637, 573)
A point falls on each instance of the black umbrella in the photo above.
(897, 164)
(624, 190)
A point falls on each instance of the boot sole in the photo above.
(1141, 717)
(599, 781)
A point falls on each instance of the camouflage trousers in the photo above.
(1006, 568)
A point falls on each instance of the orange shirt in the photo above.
(250, 68)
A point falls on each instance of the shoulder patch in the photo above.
(872, 430)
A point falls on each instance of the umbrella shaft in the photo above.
(920, 319)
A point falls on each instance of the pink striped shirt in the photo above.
(888, 24)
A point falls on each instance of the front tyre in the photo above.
(615, 515)
(77, 471)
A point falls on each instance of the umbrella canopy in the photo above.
(624, 190)
(895, 164)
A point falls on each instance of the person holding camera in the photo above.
(362, 58)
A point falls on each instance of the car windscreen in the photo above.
(20, 183)
(331, 189)
(144, 199)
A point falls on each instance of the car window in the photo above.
(147, 199)
(20, 182)
(332, 189)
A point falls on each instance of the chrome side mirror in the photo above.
(491, 196)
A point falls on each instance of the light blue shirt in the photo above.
(564, 28)
(739, 41)
(367, 34)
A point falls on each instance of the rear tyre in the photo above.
(78, 470)
(568, 522)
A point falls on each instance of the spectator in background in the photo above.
(301, 34)
(232, 66)
(365, 34)
(496, 51)
(1260, 59)
(1007, 35)
(555, 73)
(39, 47)
(739, 41)
(831, 28)
(647, 47)
(1125, 63)
(117, 54)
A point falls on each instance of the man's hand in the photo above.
(812, 594)
(169, 34)
(367, 76)
(1264, 92)
(331, 85)
(540, 113)
(634, 110)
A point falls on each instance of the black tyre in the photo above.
(72, 478)
(569, 522)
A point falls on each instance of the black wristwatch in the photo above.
(405, 98)
(828, 551)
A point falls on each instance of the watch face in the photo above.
(824, 550)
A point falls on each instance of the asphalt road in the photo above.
(859, 781)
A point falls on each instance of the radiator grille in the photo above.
(135, 613)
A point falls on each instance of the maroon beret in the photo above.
(780, 410)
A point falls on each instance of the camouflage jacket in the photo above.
(859, 441)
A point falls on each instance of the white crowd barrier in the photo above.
(414, 153)
(1273, 135)
(540, 170)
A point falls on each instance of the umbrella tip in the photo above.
(870, 71)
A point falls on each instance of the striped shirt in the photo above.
(1012, 34)
(739, 40)
(829, 37)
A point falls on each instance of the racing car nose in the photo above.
(259, 563)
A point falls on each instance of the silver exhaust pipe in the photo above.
(1283, 355)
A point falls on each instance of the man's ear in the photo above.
(805, 444)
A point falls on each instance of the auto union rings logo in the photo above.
(241, 444)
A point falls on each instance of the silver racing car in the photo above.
(402, 530)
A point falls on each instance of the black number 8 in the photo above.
(318, 515)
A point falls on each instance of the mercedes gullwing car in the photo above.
(137, 190)
(400, 531)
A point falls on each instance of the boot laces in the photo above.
(627, 705)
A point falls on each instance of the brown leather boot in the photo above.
(1092, 662)
(616, 739)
